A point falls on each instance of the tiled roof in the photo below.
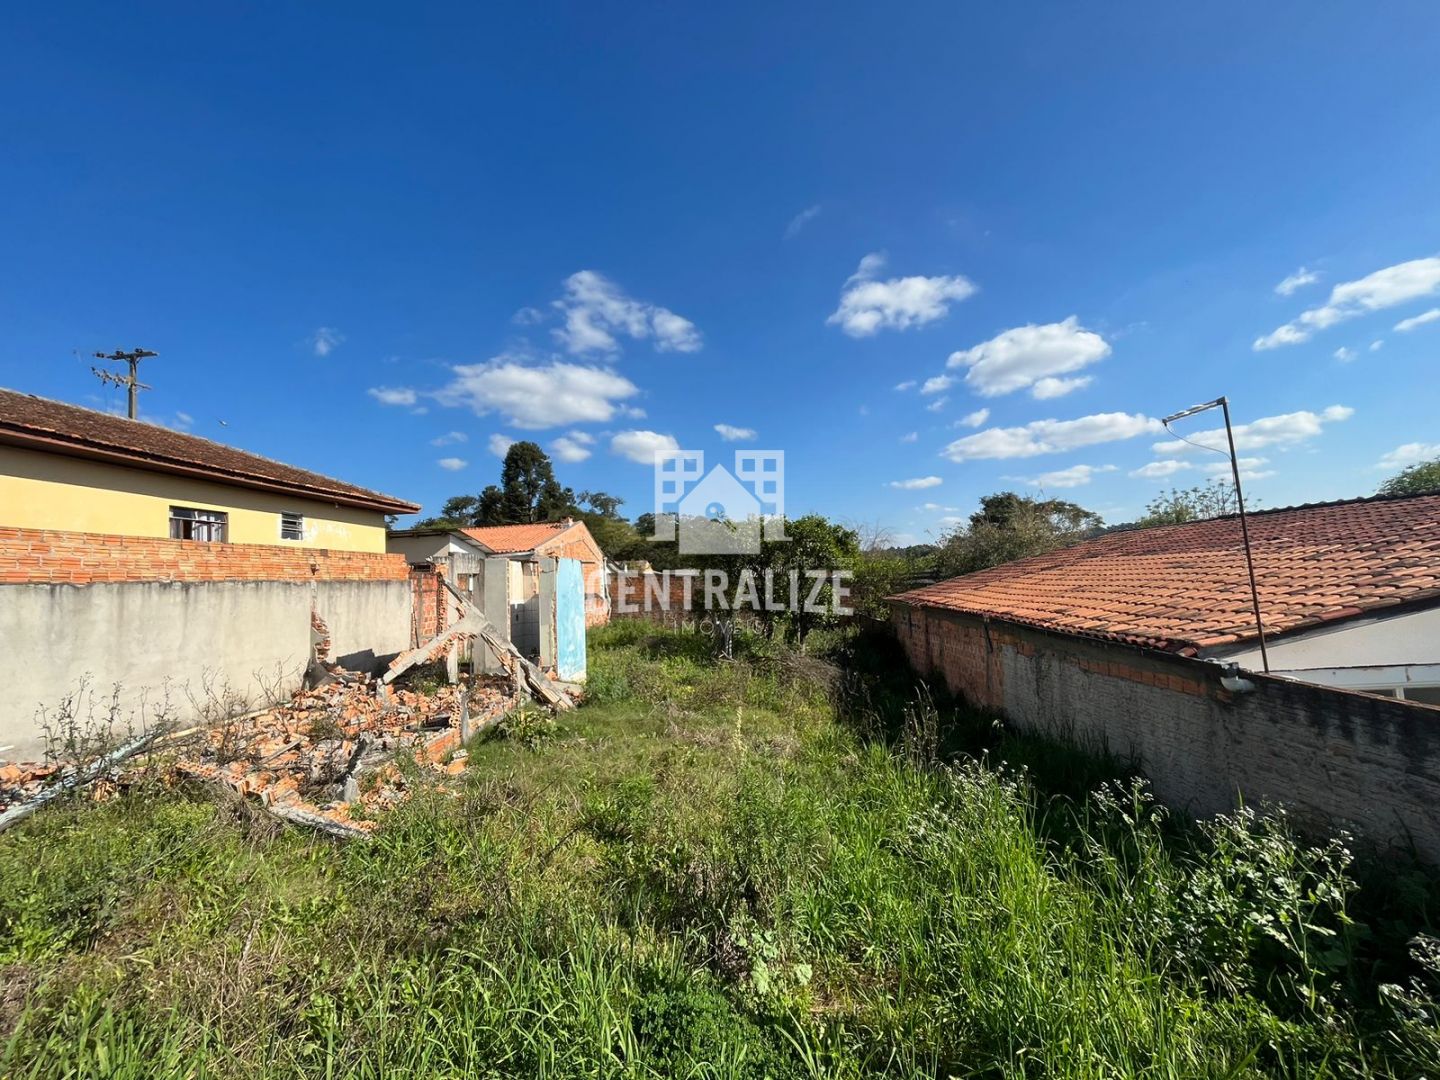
(1184, 587)
(509, 539)
(41, 424)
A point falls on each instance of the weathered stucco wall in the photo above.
(54, 492)
(144, 636)
(1332, 757)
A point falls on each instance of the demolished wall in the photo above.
(189, 620)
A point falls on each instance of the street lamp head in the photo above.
(1217, 403)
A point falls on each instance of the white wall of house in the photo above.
(421, 549)
(1396, 654)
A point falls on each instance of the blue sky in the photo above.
(373, 238)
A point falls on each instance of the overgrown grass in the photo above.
(741, 869)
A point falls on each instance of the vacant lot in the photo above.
(758, 867)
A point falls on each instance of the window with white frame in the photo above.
(189, 523)
(292, 526)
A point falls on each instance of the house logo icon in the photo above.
(720, 512)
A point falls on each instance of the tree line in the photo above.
(1006, 526)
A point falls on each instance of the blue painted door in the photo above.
(570, 620)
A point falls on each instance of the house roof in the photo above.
(37, 423)
(1184, 588)
(510, 539)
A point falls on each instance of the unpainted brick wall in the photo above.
(646, 593)
(429, 604)
(47, 557)
(1334, 758)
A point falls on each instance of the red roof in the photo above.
(1184, 587)
(509, 539)
(37, 423)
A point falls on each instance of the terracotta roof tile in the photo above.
(56, 427)
(1182, 587)
(509, 539)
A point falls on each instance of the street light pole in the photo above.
(1223, 403)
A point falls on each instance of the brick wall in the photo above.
(37, 556)
(1332, 757)
(646, 595)
(430, 604)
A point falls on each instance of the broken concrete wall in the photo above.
(202, 640)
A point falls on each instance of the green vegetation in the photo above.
(1420, 479)
(1009, 527)
(1177, 507)
(768, 867)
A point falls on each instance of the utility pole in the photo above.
(1223, 403)
(132, 381)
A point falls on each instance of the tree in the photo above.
(1176, 507)
(1416, 480)
(1009, 527)
(529, 490)
(600, 503)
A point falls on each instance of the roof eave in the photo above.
(79, 449)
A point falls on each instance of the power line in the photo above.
(132, 381)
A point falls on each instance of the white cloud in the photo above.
(499, 445)
(1157, 470)
(911, 437)
(584, 438)
(1074, 476)
(642, 446)
(596, 311)
(932, 507)
(528, 316)
(1050, 387)
(1411, 453)
(325, 340)
(919, 483)
(1344, 354)
(1433, 315)
(1385, 288)
(868, 306)
(974, 419)
(731, 433)
(800, 220)
(938, 404)
(1376, 346)
(1050, 436)
(1031, 355)
(908, 384)
(452, 464)
(393, 395)
(450, 438)
(1250, 468)
(568, 449)
(1285, 430)
(537, 396)
(937, 384)
(1298, 280)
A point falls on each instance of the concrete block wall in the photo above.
(1332, 757)
(157, 617)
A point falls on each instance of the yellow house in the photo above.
(68, 469)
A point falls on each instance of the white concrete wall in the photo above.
(145, 636)
(1361, 654)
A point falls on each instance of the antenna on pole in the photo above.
(1223, 403)
(132, 381)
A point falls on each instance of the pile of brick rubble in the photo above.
(326, 758)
